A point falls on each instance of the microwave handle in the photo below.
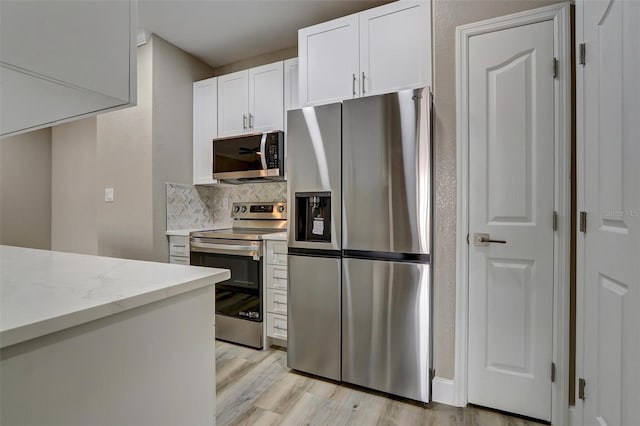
(263, 151)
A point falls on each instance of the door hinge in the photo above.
(553, 372)
(583, 222)
(467, 239)
(582, 54)
(555, 221)
(581, 385)
(555, 67)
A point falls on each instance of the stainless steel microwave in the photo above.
(251, 157)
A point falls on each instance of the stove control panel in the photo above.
(259, 210)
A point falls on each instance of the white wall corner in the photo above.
(442, 391)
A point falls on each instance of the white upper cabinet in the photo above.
(380, 50)
(251, 100)
(291, 96)
(65, 59)
(395, 47)
(328, 61)
(205, 129)
(233, 103)
(266, 98)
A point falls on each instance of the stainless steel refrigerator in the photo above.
(360, 202)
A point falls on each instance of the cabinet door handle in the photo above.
(363, 82)
(244, 121)
(353, 85)
(250, 121)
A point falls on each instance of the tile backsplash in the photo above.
(202, 207)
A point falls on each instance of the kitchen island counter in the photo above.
(97, 340)
(43, 291)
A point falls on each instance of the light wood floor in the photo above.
(256, 388)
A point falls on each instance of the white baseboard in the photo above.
(442, 391)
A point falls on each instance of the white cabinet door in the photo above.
(395, 47)
(63, 60)
(291, 93)
(266, 97)
(205, 128)
(329, 64)
(83, 44)
(233, 107)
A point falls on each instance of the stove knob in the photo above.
(243, 209)
(236, 209)
(280, 209)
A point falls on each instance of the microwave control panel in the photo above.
(274, 148)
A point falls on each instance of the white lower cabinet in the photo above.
(276, 291)
(277, 326)
(179, 249)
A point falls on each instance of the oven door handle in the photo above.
(237, 250)
(263, 151)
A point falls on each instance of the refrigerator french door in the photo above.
(386, 241)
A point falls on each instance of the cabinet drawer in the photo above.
(277, 277)
(178, 246)
(277, 252)
(179, 260)
(276, 301)
(277, 326)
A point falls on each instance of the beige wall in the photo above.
(73, 187)
(256, 61)
(124, 161)
(25, 190)
(174, 72)
(447, 15)
(135, 151)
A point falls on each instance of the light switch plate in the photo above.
(108, 195)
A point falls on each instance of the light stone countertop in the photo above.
(43, 291)
(276, 236)
(185, 232)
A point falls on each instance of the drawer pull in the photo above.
(279, 328)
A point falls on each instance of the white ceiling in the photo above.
(223, 31)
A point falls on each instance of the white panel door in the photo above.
(329, 61)
(511, 198)
(266, 97)
(395, 48)
(205, 128)
(233, 103)
(609, 184)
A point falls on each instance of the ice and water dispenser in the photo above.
(313, 216)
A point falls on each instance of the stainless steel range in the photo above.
(239, 300)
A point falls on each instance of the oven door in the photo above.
(241, 296)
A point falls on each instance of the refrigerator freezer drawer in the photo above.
(313, 323)
(386, 314)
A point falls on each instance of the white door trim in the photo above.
(560, 15)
